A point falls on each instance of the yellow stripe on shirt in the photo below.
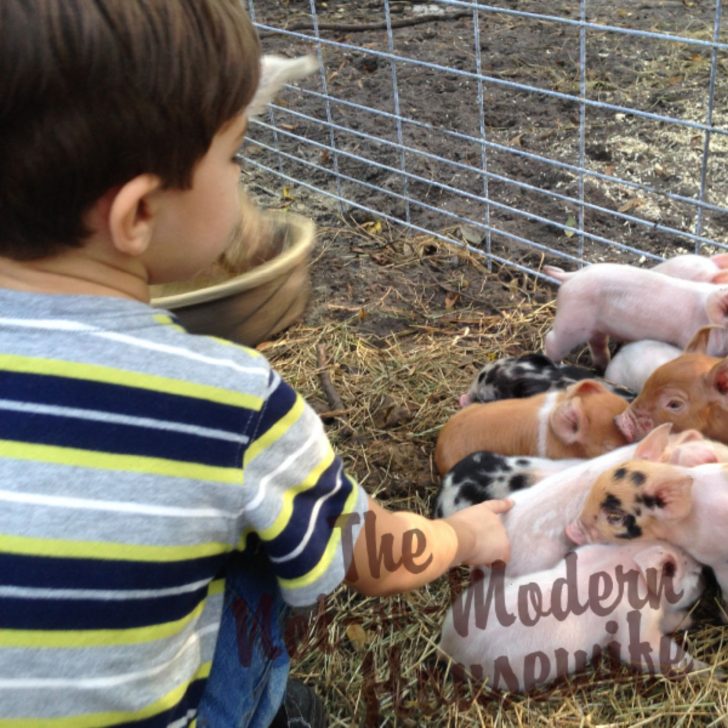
(325, 561)
(284, 515)
(139, 380)
(105, 550)
(82, 638)
(96, 460)
(276, 431)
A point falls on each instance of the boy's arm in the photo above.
(398, 551)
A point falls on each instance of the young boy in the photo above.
(164, 496)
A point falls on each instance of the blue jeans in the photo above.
(250, 666)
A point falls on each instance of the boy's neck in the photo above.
(77, 272)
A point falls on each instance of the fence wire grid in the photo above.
(565, 132)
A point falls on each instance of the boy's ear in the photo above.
(130, 216)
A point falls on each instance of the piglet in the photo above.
(487, 475)
(536, 522)
(629, 304)
(513, 377)
(685, 506)
(571, 423)
(529, 631)
(690, 392)
(633, 364)
(707, 268)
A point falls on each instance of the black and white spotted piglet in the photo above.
(523, 376)
(487, 475)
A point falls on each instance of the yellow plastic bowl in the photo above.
(250, 306)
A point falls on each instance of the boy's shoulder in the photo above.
(109, 333)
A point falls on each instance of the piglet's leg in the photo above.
(676, 660)
(665, 654)
(647, 649)
(599, 345)
(677, 619)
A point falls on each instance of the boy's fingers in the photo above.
(499, 506)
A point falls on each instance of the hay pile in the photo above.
(384, 396)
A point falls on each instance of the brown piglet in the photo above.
(691, 392)
(577, 422)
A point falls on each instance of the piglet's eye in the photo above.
(614, 519)
(675, 405)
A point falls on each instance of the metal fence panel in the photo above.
(574, 131)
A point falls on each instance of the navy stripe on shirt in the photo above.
(50, 572)
(118, 438)
(121, 399)
(298, 524)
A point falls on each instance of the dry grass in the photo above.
(373, 660)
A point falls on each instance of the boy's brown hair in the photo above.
(95, 92)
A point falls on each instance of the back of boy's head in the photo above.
(96, 92)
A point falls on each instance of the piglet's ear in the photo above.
(699, 343)
(585, 387)
(661, 562)
(654, 443)
(668, 496)
(687, 436)
(689, 448)
(568, 421)
(720, 259)
(717, 306)
(717, 380)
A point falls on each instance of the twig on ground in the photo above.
(361, 27)
(332, 396)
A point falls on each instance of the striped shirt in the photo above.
(136, 459)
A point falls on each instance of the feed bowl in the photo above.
(247, 298)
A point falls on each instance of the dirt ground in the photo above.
(400, 323)
(662, 78)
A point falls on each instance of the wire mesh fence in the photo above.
(528, 131)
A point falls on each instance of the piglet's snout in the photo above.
(465, 399)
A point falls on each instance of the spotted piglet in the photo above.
(488, 475)
(513, 377)
(638, 499)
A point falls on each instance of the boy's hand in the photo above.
(482, 538)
